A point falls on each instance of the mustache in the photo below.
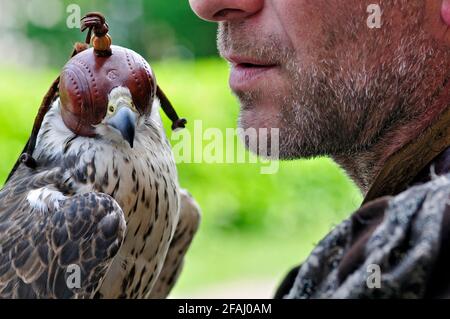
(237, 39)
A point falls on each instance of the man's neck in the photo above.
(364, 167)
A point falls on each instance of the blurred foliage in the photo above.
(253, 225)
(156, 28)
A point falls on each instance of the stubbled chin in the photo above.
(264, 125)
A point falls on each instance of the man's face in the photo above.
(315, 70)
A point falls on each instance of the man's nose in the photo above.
(225, 10)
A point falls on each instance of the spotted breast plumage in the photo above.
(102, 199)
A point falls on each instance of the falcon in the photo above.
(93, 208)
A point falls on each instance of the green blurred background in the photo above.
(255, 227)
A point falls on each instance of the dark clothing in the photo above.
(397, 245)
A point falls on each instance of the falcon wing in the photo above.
(187, 226)
(59, 247)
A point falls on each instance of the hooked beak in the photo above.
(125, 122)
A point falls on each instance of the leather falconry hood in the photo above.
(88, 78)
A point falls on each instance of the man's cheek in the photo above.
(302, 22)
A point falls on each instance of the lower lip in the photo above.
(243, 78)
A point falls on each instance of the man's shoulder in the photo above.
(418, 209)
(403, 237)
(433, 220)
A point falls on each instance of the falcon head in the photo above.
(121, 117)
(105, 96)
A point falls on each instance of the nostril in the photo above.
(227, 13)
(223, 10)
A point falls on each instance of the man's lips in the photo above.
(247, 72)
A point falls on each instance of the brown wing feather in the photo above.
(37, 247)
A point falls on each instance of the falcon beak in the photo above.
(125, 122)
